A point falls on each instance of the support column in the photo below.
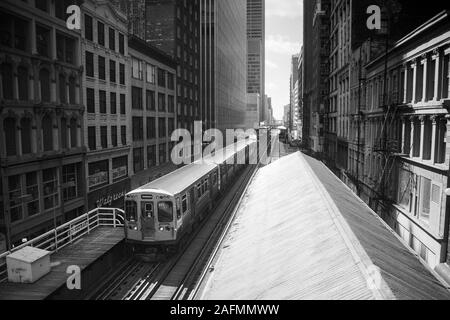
(405, 83)
(411, 148)
(403, 135)
(33, 36)
(422, 135)
(437, 57)
(433, 138)
(425, 73)
(414, 84)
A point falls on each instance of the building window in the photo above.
(88, 30)
(73, 133)
(44, 81)
(7, 81)
(25, 126)
(90, 100)
(136, 68)
(170, 81)
(62, 88)
(102, 101)
(136, 98)
(112, 39)
(405, 189)
(71, 178)
(138, 129)
(123, 135)
(441, 138)
(101, 33)
(138, 159)
(112, 71)
(89, 64)
(151, 156)
(92, 138)
(161, 78)
(65, 49)
(151, 128)
(171, 125)
(47, 133)
(171, 103)
(151, 74)
(22, 74)
(162, 127)
(122, 104)
(14, 32)
(32, 206)
(151, 103)
(426, 199)
(43, 41)
(161, 102)
(428, 128)
(121, 43)
(162, 153)
(50, 184)
(121, 73)
(98, 174)
(104, 137)
(416, 138)
(101, 68)
(15, 194)
(120, 168)
(63, 133)
(9, 126)
(114, 136)
(113, 102)
(72, 85)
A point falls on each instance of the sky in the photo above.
(284, 36)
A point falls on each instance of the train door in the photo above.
(148, 220)
(192, 200)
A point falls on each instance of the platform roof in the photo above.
(300, 233)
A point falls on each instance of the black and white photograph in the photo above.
(216, 158)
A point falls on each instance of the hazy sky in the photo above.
(284, 36)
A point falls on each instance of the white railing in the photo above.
(68, 233)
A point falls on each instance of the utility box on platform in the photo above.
(28, 265)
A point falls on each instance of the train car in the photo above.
(283, 134)
(161, 212)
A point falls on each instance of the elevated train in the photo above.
(160, 213)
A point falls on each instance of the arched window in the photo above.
(62, 88)
(47, 133)
(64, 133)
(44, 80)
(73, 133)
(25, 125)
(22, 74)
(9, 126)
(72, 85)
(7, 81)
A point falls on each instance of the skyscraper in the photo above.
(173, 27)
(223, 46)
(256, 50)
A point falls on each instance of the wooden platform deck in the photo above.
(81, 253)
(300, 233)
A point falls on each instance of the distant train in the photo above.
(283, 134)
(162, 212)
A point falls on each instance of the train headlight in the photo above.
(161, 228)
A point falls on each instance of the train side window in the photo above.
(214, 178)
(178, 209)
(199, 190)
(184, 204)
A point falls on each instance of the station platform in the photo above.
(301, 234)
(83, 253)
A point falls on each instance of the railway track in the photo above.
(180, 274)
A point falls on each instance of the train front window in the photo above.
(130, 210)
(165, 211)
(147, 210)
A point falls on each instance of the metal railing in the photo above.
(68, 233)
